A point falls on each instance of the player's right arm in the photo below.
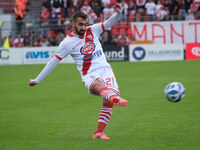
(100, 27)
(51, 65)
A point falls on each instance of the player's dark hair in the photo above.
(79, 14)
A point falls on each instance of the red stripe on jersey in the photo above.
(86, 64)
(59, 58)
(102, 25)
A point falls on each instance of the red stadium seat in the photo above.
(122, 30)
(123, 25)
(115, 31)
(116, 26)
(52, 33)
(131, 18)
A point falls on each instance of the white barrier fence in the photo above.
(41, 55)
(33, 55)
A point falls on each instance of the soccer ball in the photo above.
(174, 92)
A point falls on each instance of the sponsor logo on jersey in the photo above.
(95, 55)
(38, 54)
(88, 48)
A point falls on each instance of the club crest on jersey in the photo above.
(88, 48)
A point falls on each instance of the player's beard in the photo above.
(79, 32)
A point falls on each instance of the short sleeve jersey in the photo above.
(86, 51)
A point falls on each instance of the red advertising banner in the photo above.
(192, 51)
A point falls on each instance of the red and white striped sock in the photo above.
(104, 116)
(106, 93)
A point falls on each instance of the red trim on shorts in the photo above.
(102, 25)
(59, 58)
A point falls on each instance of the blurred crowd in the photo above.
(55, 18)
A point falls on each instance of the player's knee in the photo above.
(96, 86)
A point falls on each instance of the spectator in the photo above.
(27, 40)
(131, 39)
(138, 17)
(182, 8)
(171, 6)
(124, 11)
(150, 10)
(19, 17)
(11, 41)
(46, 4)
(140, 2)
(57, 5)
(52, 41)
(36, 43)
(106, 38)
(19, 41)
(92, 17)
(86, 8)
(59, 38)
(44, 42)
(96, 6)
(189, 16)
(161, 14)
(158, 6)
(53, 20)
(122, 39)
(179, 16)
(198, 15)
(27, 43)
(107, 12)
(188, 3)
(194, 7)
(60, 25)
(45, 21)
(65, 6)
(114, 39)
(105, 3)
(132, 8)
(67, 24)
(76, 5)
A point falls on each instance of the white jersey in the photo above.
(86, 51)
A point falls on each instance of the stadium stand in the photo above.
(46, 20)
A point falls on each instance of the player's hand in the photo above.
(32, 82)
(117, 7)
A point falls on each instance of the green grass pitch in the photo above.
(59, 114)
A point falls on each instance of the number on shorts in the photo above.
(110, 81)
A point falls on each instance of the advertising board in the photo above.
(192, 51)
(41, 55)
(116, 52)
(158, 52)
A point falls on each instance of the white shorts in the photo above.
(104, 75)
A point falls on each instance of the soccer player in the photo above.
(83, 45)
